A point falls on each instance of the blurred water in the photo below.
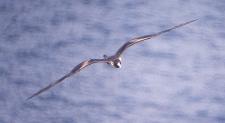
(178, 77)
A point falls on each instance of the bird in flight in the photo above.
(114, 60)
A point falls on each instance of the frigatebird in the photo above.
(114, 60)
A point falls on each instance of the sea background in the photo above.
(178, 77)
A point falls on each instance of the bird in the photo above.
(114, 60)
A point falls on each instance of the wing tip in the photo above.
(29, 98)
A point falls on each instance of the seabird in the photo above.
(114, 60)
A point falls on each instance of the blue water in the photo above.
(177, 77)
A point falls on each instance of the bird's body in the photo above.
(114, 60)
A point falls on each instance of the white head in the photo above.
(117, 63)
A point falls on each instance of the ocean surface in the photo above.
(178, 77)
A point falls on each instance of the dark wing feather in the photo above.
(75, 70)
(145, 37)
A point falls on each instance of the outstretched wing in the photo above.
(75, 70)
(145, 37)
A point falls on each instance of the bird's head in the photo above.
(117, 63)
